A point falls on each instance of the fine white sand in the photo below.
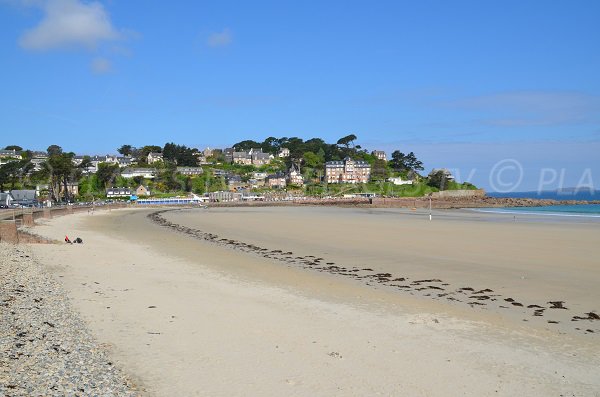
(188, 317)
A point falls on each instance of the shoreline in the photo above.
(378, 202)
(431, 283)
(299, 332)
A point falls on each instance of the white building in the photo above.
(190, 171)
(95, 160)
(447, 174)
(259, 175)
(295, 177)
(283, 152)
(399, 181)
(153, 157)
(147, 173)
(13, 154)
(379, 154)
(118, 192)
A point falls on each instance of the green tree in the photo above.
(61, 169)
(126, 150)
(270, 145)
(246, 145)
(347, 140)
(141, 155)
(405, 162)
(54, 150)
(86, 162)
(180, 155)
(9, 173)
(167, 178)
(3, 177)
(312, 160)
(107, 174)
(439, 179)
(412, 163)
(379, 170)
(397, 161)
(14, 147)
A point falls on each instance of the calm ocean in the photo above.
(585, 210)
(565, 194)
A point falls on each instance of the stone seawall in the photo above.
(8, 232)
(459, 194)
(13, 221)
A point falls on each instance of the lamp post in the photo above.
(429, 206)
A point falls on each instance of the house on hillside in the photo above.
(12, 154)
(254, 156)
(234, 182)
(347, 171)
(244, 158)
(276, 180)
(399, 181)
(154, 157)
(259, 175)
(207, 152)
(379, 155)
(217, 172)
(95, 160)
(447, 174)
(255, 183)
(283, 152)
(125, 161)
(191, 171)
(147, 173)
(8, 156)
(38, 159)
(72, 189)
(295, 177)
(228, 153)
(142, 191)
(118, 192)
(260, 158)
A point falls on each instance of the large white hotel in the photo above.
(347, 171)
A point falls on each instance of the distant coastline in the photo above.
(583, 194)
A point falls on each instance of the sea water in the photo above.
(564, 194)
(581, 210)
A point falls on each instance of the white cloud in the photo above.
(101, 65)
(220, 39)
(70, 23)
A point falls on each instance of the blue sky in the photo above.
(463, 84)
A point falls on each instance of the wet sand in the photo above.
(248, 312)
(531, 269)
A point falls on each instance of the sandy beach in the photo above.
(337, 301)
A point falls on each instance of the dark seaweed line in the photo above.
(433, 288)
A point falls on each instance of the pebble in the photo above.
(46, 348)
